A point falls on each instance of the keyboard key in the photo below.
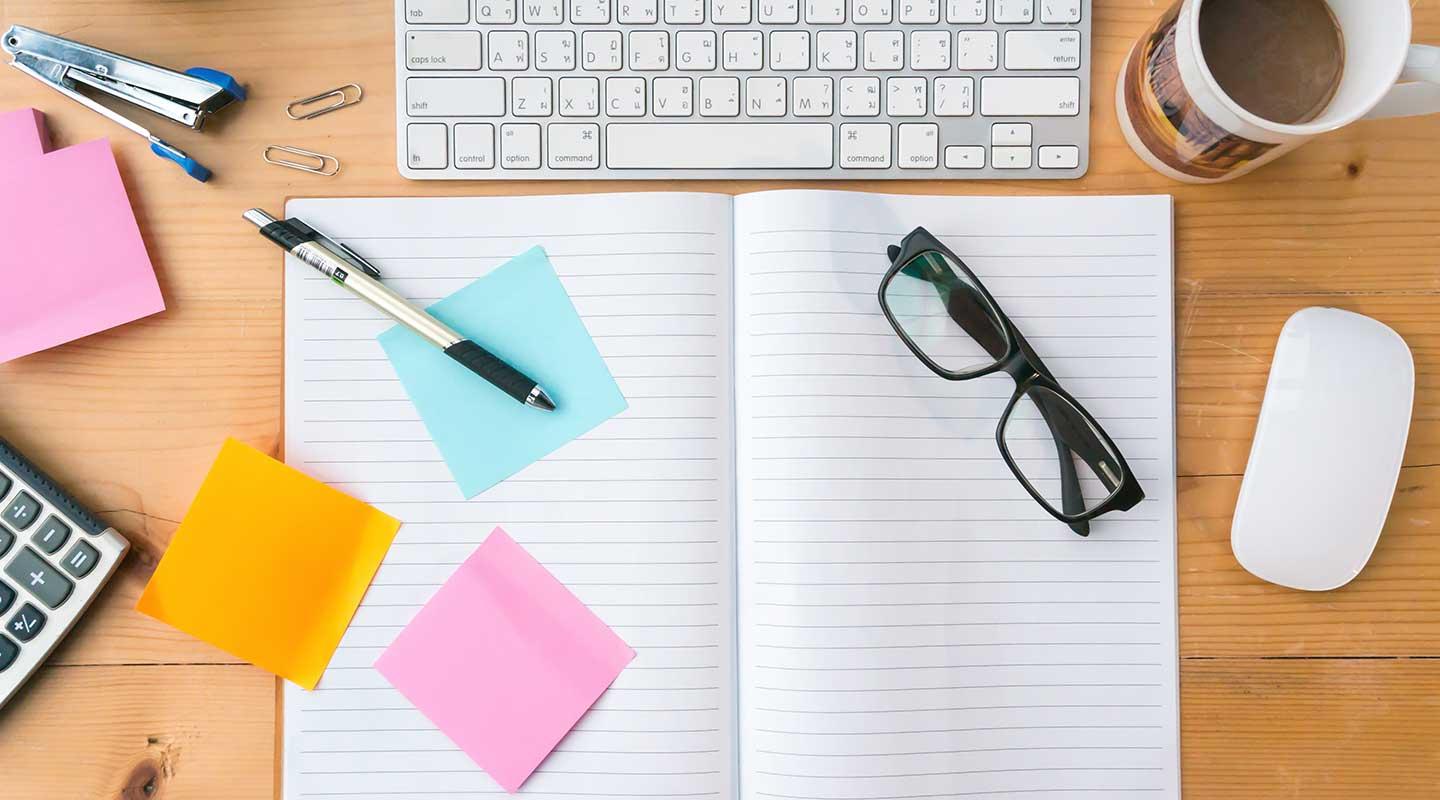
(530, 97)
(81, 559)
(695, 50)
(865, 145)
(35, 575)
(964, 157)
(965, 12)
(1030, 97)
(954, 97)
(789, 51)
(684, 12)
(919, 12)
(26, 624)
(929, 50)
(730, 12)
(1059, 157)
(649, 50)
(871, 12)
(625, 97)
(720, 97)
(1010, 157)
(637, 12)
(884, 50)
(574, 146)
(555, 50)
(520, 146)
(825, 12)
(743, 50)
(7, 596)
(437, 12)
(1042, 50)
(579, 97)
(50, 536)
(495, 12)
(475, 145)
(765, 97)
(509, 50)
(835, 50)
(1011, 134)
(426, 146)
(1014, 11)
(860, 97)
(455, 97)
(673, 97)
(698, 145)
(22, 511)
(779, 12)
(919, 146)
(1060, 11)
(589, 12)
(442, 50)
(814, 97)
(978, 50)
(9, 651)
(905, 97)
(600, 50)
(543, 12)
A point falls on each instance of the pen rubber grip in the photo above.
(485, 364)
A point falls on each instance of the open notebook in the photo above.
(836, 589)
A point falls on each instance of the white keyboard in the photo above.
(577, 89)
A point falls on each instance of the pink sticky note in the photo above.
(73, 262)
(504, 660)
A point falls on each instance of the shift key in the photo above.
(1030, 97)
(442, 50)
(35, 575)
(455, 97)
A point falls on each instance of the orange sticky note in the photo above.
(269, 564)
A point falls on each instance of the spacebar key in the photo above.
(699, 145)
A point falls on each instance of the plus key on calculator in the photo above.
(54, 558)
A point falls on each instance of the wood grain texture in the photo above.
(1284, 694)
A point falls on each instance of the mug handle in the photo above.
(1419, 89)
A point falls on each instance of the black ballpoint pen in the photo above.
(343, 266)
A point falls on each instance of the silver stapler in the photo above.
(187, 98)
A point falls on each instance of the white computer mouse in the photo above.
(1327, 451)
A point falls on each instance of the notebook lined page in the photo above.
(912, 623)
(635, 517)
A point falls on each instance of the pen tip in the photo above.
(539, 399)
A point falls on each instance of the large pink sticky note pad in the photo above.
(504, 660)
(73, 262)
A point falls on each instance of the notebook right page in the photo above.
(912, 623)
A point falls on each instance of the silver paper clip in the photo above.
(342, 97)
(187, 98)
(308, 161)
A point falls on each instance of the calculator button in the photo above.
(26, 624)
(35, 575)
(7, 596)
(52, 535)
(6, 539)
(22, 511)
(8, 653)
(4, 484)
(81, 560)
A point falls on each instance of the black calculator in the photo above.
(54, 558)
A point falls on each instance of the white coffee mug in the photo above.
(1180, 122)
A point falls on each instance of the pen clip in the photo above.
(357, 260)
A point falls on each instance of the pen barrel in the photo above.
(482, 362)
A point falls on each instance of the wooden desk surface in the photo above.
(1285, 694)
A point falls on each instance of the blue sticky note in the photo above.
(521, 313)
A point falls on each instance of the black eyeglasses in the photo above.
(1056, 449)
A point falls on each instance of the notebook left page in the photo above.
(634, 517)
